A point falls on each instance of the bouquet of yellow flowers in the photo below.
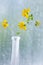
(23, 24)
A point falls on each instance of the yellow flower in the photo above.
(25, 12)
(5, 23)
(22, 26)
(37, 23)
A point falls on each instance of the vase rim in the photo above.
(15, 37)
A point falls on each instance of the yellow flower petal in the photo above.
(22, 25)
(28, 10)
(5, 23)
(25, 28)
(27, 16)
(4, 20)
(25, 12)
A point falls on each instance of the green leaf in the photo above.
(37, 23)
(30, 18)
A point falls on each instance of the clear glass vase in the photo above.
(15, 50)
